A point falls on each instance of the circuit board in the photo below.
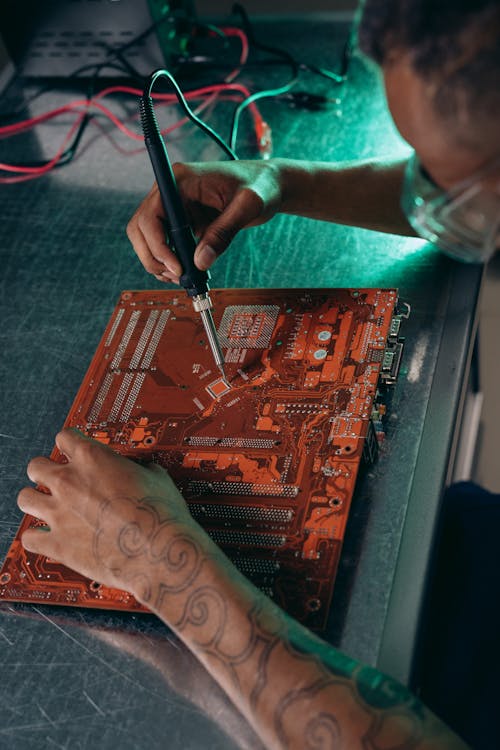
(268, 460)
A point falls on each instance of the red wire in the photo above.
(234, 31)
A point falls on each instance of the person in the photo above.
(132, 529)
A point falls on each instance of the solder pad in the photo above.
(267, 463)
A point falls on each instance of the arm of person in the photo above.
(221, 198)
(127, 526)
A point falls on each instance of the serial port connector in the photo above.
(391, 362)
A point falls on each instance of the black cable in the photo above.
(189, 112)
(339, 77)
(278, 91)
(132, 72)
(345, 61)
(276, 51)
(69, 154)
(97, 67)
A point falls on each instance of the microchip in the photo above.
(266, 461)
(218, 388)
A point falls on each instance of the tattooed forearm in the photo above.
(297, 691)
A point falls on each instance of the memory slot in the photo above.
(251, 566)
(241, 512)
(246, 538)
(234, 442)
(242, 488)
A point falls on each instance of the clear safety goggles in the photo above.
(463, 221)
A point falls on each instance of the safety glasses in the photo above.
(464, 221)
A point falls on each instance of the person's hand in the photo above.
(109, 518)
(220, 199)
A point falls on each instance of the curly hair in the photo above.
(453, 43)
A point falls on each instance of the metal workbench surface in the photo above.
(74, 678)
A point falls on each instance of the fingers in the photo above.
(143, 251)
(39, 541)
(146, 232)
(68, 439)
(153, 252)
(245, 208)
(35, 503)
(70, 442)
(41, 469)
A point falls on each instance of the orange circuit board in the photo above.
(268, 460)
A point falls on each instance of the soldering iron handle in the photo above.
(180, 233)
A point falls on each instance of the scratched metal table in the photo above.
(79, 679)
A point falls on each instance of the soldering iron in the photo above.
(179, 233)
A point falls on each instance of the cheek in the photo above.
(405, 102)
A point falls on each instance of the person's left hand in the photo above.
(109, 518)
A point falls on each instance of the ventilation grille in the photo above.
(70, 34)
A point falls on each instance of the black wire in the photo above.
(277, 51)
(129, 68)
(189, 112)
(70, 152)
(339, 77)
(345, 61)
(247, 26)
(97, 67)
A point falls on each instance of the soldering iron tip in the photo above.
(221, 368)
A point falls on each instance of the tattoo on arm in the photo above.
(152, 540)
(160, 556)
(377, 699)
(322, 732)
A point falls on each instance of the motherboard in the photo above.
(266, 458)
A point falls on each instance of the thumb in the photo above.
(244, 209)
